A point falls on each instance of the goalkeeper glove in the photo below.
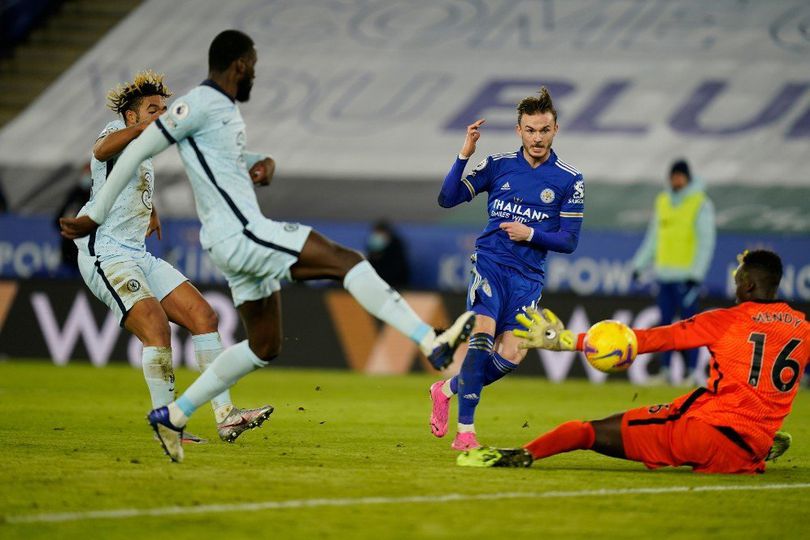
(544, 330)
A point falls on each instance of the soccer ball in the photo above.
(610, 346)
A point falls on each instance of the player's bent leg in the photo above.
(187, 307)
(147, 320)
(262, 321)
(321, 258)
(230, 366)
(471, 381)
(505, 359)
(574, 435)
(442, 391)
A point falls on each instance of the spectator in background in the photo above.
(679, 245)
(387, 254)
(76, 198)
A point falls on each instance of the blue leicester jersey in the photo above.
(548, 198)
(210, 134)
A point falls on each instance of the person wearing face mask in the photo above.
(678, 245)
(387, 254)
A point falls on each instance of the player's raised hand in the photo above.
(544, 330)
(473, 134)
(77, 227)
(518, 232)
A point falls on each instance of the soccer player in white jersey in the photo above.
(252, 251)
(146, 292)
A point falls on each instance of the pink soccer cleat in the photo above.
(465, 441)
(441, 408)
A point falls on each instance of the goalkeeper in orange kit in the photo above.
(759, 350)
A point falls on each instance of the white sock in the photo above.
(382, 301)
(448, 393)
(234, 363)
(176, 416)
(206, 348)
(159, 374)
(466, 428)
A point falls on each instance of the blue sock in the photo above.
(496, 368)
(471, 379)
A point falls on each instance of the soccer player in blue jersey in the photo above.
(146, 292)
(535, 205)
(252, 251)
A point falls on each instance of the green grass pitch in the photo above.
(74, 439)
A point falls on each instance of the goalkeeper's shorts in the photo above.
(666, 435)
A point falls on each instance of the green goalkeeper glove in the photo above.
(544, 330)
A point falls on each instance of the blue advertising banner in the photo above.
(438, 255)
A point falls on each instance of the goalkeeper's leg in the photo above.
(603, 436)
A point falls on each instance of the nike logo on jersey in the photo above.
(506, 187)
(224, 122)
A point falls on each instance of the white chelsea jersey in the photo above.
(128, 220)
(210, 134)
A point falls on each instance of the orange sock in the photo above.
(564, 438)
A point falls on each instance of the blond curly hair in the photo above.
(127, 96)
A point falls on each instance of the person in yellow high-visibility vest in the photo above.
(678, 245)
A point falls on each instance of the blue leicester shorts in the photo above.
(501, 292)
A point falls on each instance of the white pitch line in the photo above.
(124, 513)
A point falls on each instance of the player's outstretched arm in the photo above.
(114, 143)
(698, 331)
(150, 143)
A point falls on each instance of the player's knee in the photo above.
(266, 350)
(608, 436)
(148, 322)
(156, 333)
(205, 321)
(347, 258)
(513, 353)
(484, 324)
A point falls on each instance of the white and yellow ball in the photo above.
(610, 346)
